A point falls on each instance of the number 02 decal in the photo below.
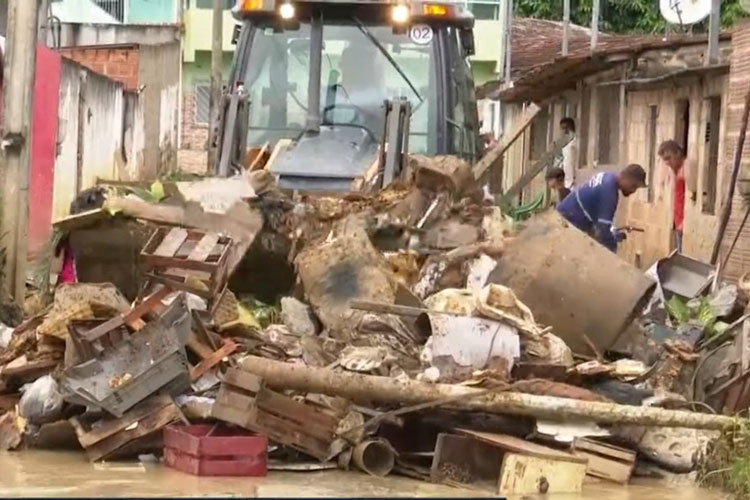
(420, 34)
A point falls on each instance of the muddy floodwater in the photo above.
(68, 474)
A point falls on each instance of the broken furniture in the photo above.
(680, 275)
(505, 465)
(90, 337)
(150, 361)
(101, 438)
(605, 461)
(212, 450)
(244, 400)
(189, 260)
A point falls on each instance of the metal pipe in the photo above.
(566, 26)
(594, 24)
(215, 103)
(713, 33)
(508, 40)
(316, 67)
(16, 141)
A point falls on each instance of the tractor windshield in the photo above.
(362, 66)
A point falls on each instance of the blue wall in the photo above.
(152, 11)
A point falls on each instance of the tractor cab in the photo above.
(336, 88)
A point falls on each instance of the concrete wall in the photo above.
(739, 83)
(152, 11)
(74, 34)
(100, 134)
(160, 78)
(119, 62)
(198, 32)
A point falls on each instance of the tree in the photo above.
(621, 16)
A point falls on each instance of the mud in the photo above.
(68, 474)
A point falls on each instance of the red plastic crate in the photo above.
(226, 452)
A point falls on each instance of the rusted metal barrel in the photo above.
(572, 283)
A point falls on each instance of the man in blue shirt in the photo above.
(591, 207)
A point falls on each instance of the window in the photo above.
(115, 8)
(711, 154)
(202, 99)
(278, 74)
(485, 9)
(209, 4)
(653, 116)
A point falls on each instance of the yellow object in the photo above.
(250, 5)
(435, 10)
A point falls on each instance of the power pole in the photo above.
(566, 26)
(508, 40)
(713, 33)
(43, 18)
(16, 144)
(214, 104)
(594, 24)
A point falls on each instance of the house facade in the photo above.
(628, 96)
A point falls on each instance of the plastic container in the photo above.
(208, 450)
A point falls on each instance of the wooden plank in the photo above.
(261, 155)
(214, 359)
(243, 379)
(604, 468)
(495, 155)
(150, 262)
(238, 400)
(281, 146)
(130, 318)
(279, 430)
(279, 404)
(514, 444)
(528, 475)
(546, 160)
(107, 428)
(152, 422)
(171, 242)
(203, 249)
(199, 348)
(604, 449)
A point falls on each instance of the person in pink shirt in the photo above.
(672, 154)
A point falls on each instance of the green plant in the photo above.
(727, 462)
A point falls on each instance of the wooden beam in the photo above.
(537, 167)
(494, 155)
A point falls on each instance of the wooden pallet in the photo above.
(245, 401)
(606, 461)
(504, 465)
(189, 260)
(106, 437)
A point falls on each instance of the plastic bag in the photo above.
(41, 401)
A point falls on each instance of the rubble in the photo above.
(421, 333)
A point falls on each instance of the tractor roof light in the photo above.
(253, 6)
(286, 10)
(400, 13)
(436, 10)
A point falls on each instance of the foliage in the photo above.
(697, 311)
(621, 16)
(727, 463)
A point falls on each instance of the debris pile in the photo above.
(421, 333)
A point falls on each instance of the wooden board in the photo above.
(495, 154)
(514, 444)
(527, 475)
(171, 242)
(204, 247)
(212, 360)
(606, 461)
(144, 420)
(281, 146)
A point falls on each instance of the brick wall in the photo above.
(194, 135)
(739, 84)
(120, 63)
